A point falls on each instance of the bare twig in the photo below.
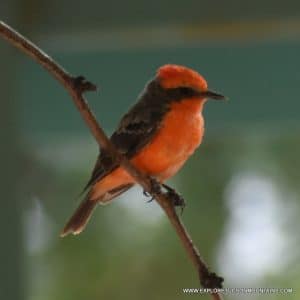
(76, 86)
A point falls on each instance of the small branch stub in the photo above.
(210, 279)
(81, 85)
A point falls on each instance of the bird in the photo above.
(157, 135)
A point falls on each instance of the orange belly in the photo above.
(181, 133)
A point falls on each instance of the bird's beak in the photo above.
(213, 95)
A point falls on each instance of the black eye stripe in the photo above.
(182, 92)
(156, 93)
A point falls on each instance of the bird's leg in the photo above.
(155, 188)
(177, 199)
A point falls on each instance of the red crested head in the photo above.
(174, 76)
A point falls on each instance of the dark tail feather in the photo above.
(83, 213)
(80, 218)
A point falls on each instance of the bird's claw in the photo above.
(150, 200)
(155, 188)
(145, 193)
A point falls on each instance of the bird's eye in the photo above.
(180, 93)
(187, 91)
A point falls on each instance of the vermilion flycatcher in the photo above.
(158, 135)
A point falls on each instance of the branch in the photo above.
(76, 86)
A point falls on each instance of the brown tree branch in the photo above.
(76, 86)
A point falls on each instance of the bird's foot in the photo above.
(145, 193)
(176, 198)
(148, 195)
(154, 189)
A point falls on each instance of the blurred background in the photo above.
(242, 185)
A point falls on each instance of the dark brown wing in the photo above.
(136, 129)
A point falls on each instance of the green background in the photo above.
(242, 185)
